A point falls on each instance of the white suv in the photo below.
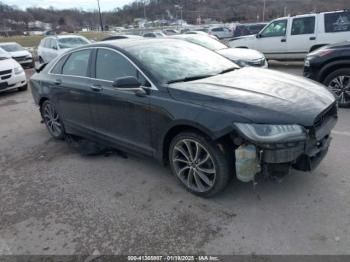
(12, 75)
(294, 37)
(52, 46)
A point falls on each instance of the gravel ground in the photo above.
(55, 201)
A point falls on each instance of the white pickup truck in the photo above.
(292, 38)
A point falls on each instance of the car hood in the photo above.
(19, 53)
(243, 37)
(8, 64)
(241, 54)
(340, 45)
(260, 95)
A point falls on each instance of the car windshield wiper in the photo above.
(190, 78)
(228, 70)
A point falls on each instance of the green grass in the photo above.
(33, 41)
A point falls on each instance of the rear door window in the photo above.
(48, 43)
(77, 64)
(337, 22)
(303, 25)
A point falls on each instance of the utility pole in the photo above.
(181, 12)
(99, 14)
(264, 9)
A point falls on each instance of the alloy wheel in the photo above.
(52, 120)
(340, 86)
(194, 165)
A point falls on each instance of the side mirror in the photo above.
(54, 47)
(40, 67)
(258, 35)
(127, 82)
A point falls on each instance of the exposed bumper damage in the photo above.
(277, 159)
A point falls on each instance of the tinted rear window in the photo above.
(337, 22)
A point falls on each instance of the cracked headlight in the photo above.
(271, 133)
(18, 70)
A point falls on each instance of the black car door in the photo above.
(120, 116)
(73, 90)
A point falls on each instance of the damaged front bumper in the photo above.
(277, 159)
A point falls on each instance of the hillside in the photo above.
(13, 19)
(225, 10)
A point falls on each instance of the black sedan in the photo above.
(330, 65)
(188, 107)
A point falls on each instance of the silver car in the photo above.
(52, 46)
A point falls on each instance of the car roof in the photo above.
(63, 36)
(134, 42)
(8, 43)
(187, 36)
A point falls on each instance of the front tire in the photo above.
(52, 120)
(200, 165)
(338, 83)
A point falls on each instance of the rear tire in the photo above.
(338, 82)
(202, 166)
(52, 120)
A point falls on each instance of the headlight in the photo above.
(241, 63)
(18, 70)
(271, 133)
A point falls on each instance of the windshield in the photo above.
(3, 54)
(71, 42)
(207, 42)
(12, 47)
(179, 60)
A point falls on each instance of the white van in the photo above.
(294, 37)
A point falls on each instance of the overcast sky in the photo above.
(106, 5)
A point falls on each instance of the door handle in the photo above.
(312, 38)
(57, 82)
(96, 88)
(283, 40)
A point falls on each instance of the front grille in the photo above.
(5, 72)
(325, 115)
(5, 77)
(20, 58)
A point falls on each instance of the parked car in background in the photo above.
(330, 65)
(154, 34)
(12, 75)
(200, 33)
(171, 32)
(188, 107)
(220, 32)
(294, 37)
(242, 57)
(19, 53)
(118, 37)
(248, 29)
(52, 46)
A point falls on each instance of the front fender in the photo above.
(329, 67)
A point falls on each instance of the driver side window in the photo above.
(275, 29)
(111, 65)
